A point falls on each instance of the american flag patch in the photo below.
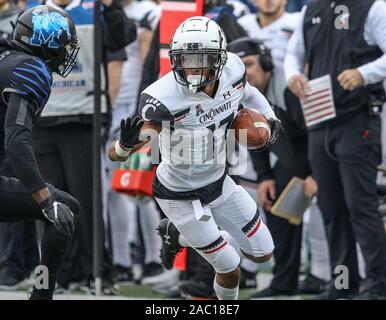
(318, 106)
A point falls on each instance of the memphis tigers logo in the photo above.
(47, 28)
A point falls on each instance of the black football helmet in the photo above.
(49, 34)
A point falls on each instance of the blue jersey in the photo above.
(25, 75)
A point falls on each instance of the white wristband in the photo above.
(119, 151)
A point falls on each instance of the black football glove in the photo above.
(129, 135)
(276, 130)
(59, 214)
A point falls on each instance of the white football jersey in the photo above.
(132, 68)
(275, 36)
(199, 160)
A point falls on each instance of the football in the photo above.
(257, 126)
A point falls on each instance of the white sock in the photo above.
(249, 265)
(225, 293)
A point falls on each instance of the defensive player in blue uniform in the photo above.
(44, 41)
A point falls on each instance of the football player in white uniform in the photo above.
(274, 27)
(202, 93)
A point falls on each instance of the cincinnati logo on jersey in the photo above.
(213, 112)
(151, 103)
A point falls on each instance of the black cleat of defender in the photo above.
(170, 245)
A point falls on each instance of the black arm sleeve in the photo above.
(119, 55)
(260, 161)
(18, 142)
(119, 30)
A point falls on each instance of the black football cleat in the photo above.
(170, 245)
(197, 289)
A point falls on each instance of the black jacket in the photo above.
(291, 148)
(118, 30)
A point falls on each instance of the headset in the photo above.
(246, 46)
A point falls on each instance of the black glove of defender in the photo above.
(59, 214)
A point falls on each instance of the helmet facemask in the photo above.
(63, 62)
(69, 63)
(198, 61)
